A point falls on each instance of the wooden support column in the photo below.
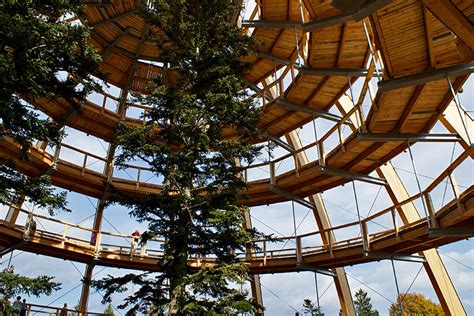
(433, 264)
(86, 282)
(14, 211)
(99, 214)
(434, 267)
(322, 219)
(453, 122)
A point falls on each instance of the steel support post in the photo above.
(322, 219)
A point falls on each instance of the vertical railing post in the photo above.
(138, 177)
(297, 165)
(330, 243)
(264, 252)
(431, 211)
(322, 155)
(457, 193)
(272, 174)
(365, 236)
(281, 87)
(97, 244)
(299, 254)
(65, 229)
(103, 104)
(339, 134)
(394, 221)
(84, 163)
(56, 154)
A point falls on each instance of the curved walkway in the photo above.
(301, 253)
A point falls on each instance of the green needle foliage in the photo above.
(14, 284)
(109, 310)
(199, 212)
(41, 56)
(311, 308)
(363, 305)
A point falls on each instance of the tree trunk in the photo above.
(178, 269)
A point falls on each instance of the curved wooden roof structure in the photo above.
(417, 52)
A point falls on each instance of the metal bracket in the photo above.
(452, 232)
(409, 137)
(280, 143)
(11, 248)
(343, 72)
(274, 58)
(394, 256)
(425, 77)
(307, 267)
(293, 197)
(316, 113)
(351, 175)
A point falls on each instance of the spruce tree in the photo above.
(41, 56)
(13, 284)
(199, 211)
(363, 305)
(311, 308)
(109, 310)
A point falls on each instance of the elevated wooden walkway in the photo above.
(302, 252)
(358, 158)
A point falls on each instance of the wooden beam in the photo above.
(86, 282)
(450, 16)
(112, 45)
(453, 119)
(115, 18)
(342, 44)
(429, 37)
(14, 211)
(435, 269)
(409, 108)
(322, 219)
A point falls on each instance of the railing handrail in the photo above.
(331, 230)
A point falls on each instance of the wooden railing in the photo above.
(294, 246)
(269, 165)
(37, 309)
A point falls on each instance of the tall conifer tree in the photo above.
(41, 56)
(199, 211)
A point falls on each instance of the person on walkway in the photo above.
(17, 305)
(24, 308)
(64, 310)
(135, 236)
